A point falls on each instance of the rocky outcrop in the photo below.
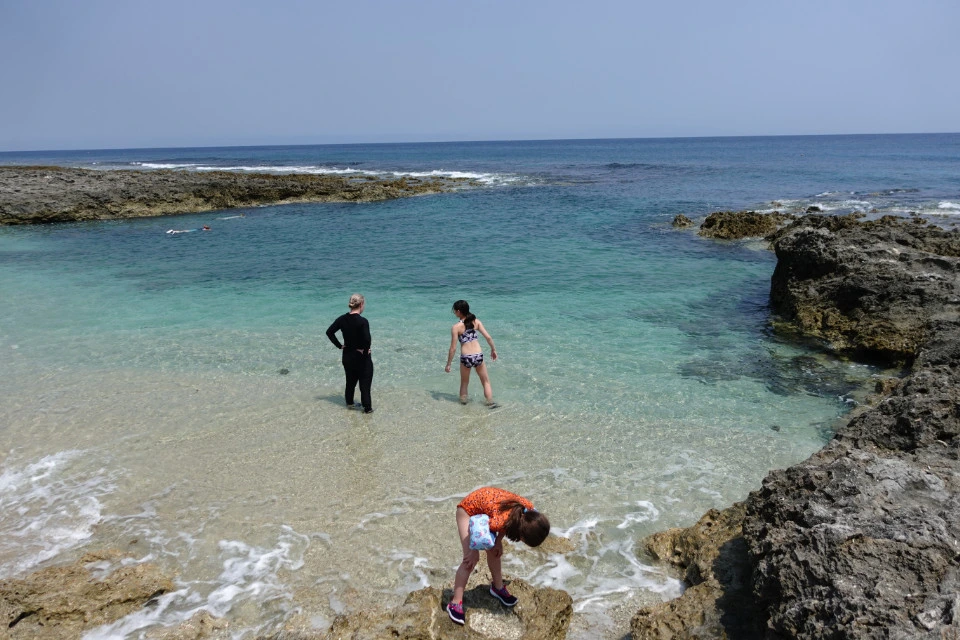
(36, 195)
(541, 614)
(718, 601)
(867, 289)
(681, 221)
(861, 540)
(733, 225)
(63, 602)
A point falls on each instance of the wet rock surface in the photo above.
(36, 195)
(63, 602)
(540, 614)
(861, 540)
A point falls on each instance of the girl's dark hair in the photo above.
(464, 308)
(528, 526)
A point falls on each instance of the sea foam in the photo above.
(47, 510)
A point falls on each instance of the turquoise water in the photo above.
(639, 380)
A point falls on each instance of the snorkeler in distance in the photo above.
(203, 228)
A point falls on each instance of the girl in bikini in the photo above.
(471, 357)
(511, 516)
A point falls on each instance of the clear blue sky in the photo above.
(131, 73)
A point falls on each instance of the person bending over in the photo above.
(510, 516)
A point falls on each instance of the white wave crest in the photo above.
(482, 178)
(249, 579)
(45, 509)
(946, 204)
(164, 165)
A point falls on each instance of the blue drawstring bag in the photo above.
(481, 538)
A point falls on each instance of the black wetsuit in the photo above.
(357, 363)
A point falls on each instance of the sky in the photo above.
(96, 74)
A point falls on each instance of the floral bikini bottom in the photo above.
(471, 360)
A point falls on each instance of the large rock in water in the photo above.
(733, 225)
(867, 289)
(861, 540)
(63, 602)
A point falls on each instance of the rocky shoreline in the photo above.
(39, 195)
(861, 540)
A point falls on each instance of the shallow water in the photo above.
(639, 382)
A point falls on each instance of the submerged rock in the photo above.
(682, 222)
(201, 626)
(65, 601)
(733, 225)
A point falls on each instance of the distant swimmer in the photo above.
(203, 228)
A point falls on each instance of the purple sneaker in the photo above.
(503, 596)
(455, 611)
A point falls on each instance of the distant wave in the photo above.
(946, 204)
(483, 178)
(643, 166)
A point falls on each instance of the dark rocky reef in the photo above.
(36, 195)
(868, 289)
(734, 225)
(862, 539)
(681, 221)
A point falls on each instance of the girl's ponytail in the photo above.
(468, 320)
(525, 525)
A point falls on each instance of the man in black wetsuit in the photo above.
(357, 363)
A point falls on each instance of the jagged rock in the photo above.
(861, 539)
(33, 195)
(63, 602)
(694, 615)
(717, 601)
(868, 289)
(682, 222)
(732, 225)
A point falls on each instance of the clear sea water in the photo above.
(639, 381)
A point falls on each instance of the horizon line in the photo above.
(473, 141)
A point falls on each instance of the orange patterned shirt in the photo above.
(487, 500)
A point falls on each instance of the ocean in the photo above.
(174, 395)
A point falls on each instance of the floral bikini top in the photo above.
(468, 335)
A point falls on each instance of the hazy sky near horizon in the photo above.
(131, 73)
